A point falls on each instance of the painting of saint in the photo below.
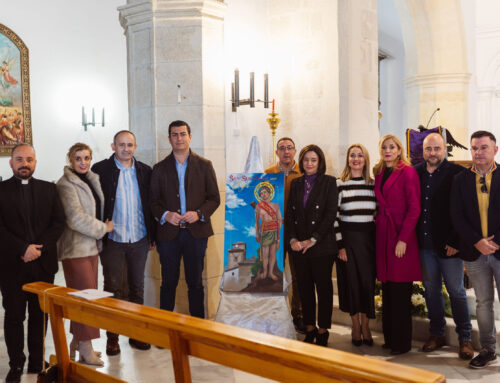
(267, 228)
(15, 116)
(253, 253)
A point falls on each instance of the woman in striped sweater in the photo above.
(355, 234)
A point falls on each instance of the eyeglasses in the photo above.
(283, 148)
(484, 188)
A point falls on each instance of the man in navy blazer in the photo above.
(439, 243)
(475, 203)
(31, 221)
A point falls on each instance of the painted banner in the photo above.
(253, 234)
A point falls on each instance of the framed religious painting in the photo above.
(15, 108)
(253, 235)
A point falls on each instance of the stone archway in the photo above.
(437, 73)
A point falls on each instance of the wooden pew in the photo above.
(258, 353)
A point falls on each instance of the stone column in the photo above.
(171, 43)
(358, 75)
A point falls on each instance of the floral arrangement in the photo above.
(418, 306)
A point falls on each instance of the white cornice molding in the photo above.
(143, 12)
(437, 79)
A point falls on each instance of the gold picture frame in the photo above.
(15, 106)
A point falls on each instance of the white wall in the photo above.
(77, 57)
(297, 45)
(487, 63)
(392, 71)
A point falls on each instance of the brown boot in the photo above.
(112, 346)
(434, 343)
(466, 350)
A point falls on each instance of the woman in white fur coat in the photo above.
(79, 245)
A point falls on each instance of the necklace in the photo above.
(308, 186)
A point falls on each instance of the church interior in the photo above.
(339, 72)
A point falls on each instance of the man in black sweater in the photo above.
(439, 243)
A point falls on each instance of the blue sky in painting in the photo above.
(240, 215)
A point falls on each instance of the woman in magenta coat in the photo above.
(397, 188)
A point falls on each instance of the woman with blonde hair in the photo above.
(79, 246)
(355, 234)
(397, 188)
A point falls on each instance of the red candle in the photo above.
(273, 104)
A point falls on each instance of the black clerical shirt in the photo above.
(26, 190)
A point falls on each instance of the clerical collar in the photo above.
(23, 181)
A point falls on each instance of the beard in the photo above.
(434, 161)
(23, 173)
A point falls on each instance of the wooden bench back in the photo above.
(258, 353)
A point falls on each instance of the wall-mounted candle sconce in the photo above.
(235, 91)
(86, 123)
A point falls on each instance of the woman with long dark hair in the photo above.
(310, 214)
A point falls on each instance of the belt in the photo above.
(183, 225)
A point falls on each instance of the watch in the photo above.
(313, 240)
(200, 216)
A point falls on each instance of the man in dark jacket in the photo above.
(475, 206)
(31, 221)
(439, 243)
(125, 183)
(184, 194)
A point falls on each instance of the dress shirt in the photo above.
(428, 184)
(483, 199)
(181, 174)
(128, 218)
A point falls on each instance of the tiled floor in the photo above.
(156, 365)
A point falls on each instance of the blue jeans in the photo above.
(192, 250)
(481, 273)
(434, 270)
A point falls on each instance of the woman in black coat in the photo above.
(310, 213)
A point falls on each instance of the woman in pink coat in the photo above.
(397, 188)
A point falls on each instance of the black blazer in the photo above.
(108, 176)
(465, 212)
(316, 218)
(442, 230)
(202, 193)
(48, 225)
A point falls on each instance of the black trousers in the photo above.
(396, 315)
(192, 251)
(314, 275)
(14, 303)
(296, 305)
(132, 257)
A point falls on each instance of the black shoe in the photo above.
(298, 323)
(368, 342)
(322, 339)
(139, 345)
(483, 359)
(356, 342)
(386, 345)
(399, 352)
(35, 368)
(14, 375)
(311, 335)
